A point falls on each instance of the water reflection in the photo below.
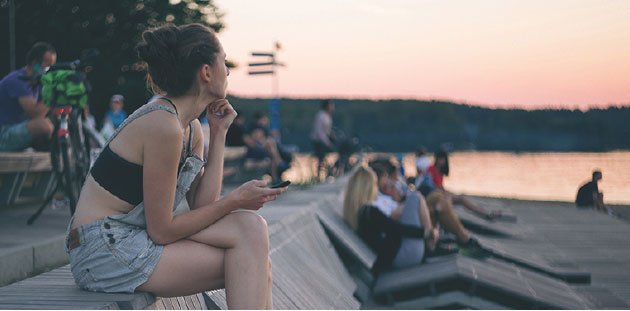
(537, 176)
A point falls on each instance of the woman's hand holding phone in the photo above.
(254, 194)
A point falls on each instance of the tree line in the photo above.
(404, 125)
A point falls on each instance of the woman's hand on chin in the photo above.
(220, 114)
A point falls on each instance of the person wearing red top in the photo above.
(436, 176)
(438, 170)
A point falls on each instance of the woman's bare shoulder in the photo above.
(157, 127)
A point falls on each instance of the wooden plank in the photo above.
(24, 161)
(182, 303)
(168, 304)
(157, 305)
(218, 297)
(196, 304)
(58, 305)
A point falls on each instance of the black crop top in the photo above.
(118, 176)
(123, 178)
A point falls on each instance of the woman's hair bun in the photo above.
(167, 52)
(159, 45)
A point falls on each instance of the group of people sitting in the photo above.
(263, 147)
(401, 221)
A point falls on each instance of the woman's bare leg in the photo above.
(449, 219)
(270, 287)
(233, 252)
(468, 204)
(246, 260)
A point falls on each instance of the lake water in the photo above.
(535, 176)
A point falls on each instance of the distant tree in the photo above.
(403, 125)
(113, 27)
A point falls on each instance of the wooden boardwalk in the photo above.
(567, 237)
(554, 256)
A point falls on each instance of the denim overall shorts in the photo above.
(116, 254)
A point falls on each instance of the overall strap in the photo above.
(145, 109)
(190, 140)
(190, 128)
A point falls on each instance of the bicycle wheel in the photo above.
(80, 147)
(55, 157)
(78, 157)
(69, 174)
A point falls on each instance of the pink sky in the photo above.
(529, 54)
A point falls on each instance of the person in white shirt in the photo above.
(322, 135)
(386, 204)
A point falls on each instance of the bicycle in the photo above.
(71, 144)
(345, 147)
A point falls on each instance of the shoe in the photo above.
(472, 248)
(471, 243)
(447, 239)
(442, 250)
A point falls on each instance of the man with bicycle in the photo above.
(23, 121)
(322, 135)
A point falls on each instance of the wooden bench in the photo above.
(307, 273)
(25, 175)
(56, 290)
(453, 281)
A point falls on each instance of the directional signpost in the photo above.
(266, 64)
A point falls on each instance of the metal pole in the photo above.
(274, 86)
(12, 35)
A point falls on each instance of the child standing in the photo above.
(115, 116)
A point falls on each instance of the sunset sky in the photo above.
(529, 54)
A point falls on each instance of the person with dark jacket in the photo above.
(383, 234)
(589, 196)
(236, 133)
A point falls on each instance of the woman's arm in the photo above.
(209, 186)
(161, 152)
(220, 115)
(210, 178)
(379, 220)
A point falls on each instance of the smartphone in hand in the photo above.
(280, 184)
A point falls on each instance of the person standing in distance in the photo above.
(322, 136)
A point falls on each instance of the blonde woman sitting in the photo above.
(397, 243)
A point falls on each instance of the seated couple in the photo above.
(398, 225)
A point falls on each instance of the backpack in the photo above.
(64, 87)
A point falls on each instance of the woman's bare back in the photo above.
(95, 202)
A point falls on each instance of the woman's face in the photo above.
(219, 83)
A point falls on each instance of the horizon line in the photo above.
(462, 102)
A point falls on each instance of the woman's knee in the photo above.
(252, 227)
